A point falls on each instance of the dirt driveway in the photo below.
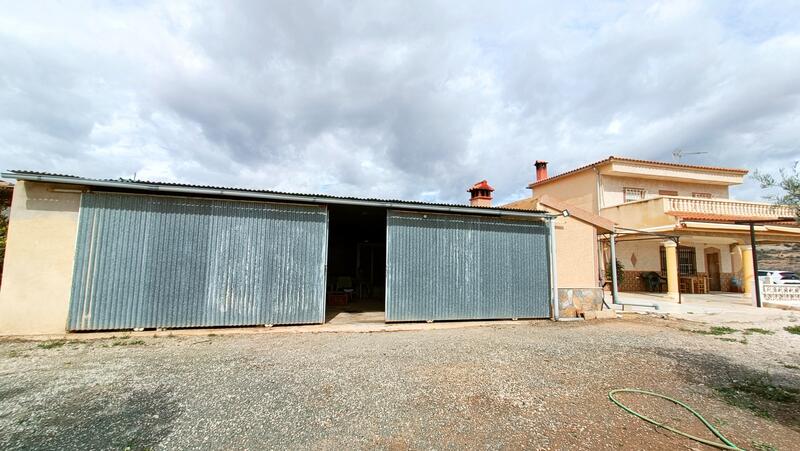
(537, 385)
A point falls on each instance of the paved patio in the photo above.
(704, 307)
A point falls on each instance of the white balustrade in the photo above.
(774, 292)
(728, 207)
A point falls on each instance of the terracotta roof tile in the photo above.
(695, 216)
(531, 203)
(634, 160)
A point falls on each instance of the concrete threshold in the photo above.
(293, 329)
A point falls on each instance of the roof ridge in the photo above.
(636, 160)
(72, 179)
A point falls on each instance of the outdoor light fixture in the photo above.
(565, 213)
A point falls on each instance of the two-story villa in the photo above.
(674, 220)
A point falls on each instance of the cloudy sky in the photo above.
(404, 99)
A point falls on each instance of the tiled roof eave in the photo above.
(635, 160)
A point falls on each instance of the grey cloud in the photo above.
(394, 99)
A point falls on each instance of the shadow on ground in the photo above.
(91, 418)
(765, 395)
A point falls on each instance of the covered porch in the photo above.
(693, 258)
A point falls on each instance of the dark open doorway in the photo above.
(356, 263)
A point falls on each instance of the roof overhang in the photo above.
(632, 167)
(675, 173)
(706, 227)
(156, 188)
(729, 219)
(586, 216)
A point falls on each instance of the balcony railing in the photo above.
(727, 207)
(661, 210)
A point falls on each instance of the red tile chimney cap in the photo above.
(483, 184)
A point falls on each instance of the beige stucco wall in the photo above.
(37, 277)
(576, 253)
(726, 255)
(648, 255)
(725, 262)
(579, 189)
(612, 188)
(639, 214)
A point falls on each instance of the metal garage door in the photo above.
(156, 261)
(449, 267)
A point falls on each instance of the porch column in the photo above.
(748, 278)
(671, 252)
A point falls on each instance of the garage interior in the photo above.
(356, 272)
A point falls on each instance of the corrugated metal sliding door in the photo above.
(451, 267)
(157, 261)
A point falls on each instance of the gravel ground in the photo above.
(538, 385)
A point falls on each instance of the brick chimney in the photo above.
(541, 170)
(481, 194)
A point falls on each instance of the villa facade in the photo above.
(677, 228)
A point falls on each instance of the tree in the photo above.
(789, 186)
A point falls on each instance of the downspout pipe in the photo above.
(553, 272)
(614, 287)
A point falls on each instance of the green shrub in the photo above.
(620, 272)
(50, 344)
(757, 330)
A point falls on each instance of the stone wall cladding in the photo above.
(571, 301)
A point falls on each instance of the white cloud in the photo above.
(393, 99)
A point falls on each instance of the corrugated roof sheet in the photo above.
(310, 196)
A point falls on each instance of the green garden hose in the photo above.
(726, 445)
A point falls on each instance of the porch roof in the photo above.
(769, 233)
(723, 218)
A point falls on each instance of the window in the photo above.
(633, 194)
(702, 195)
(687, 261)
(667, 192)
